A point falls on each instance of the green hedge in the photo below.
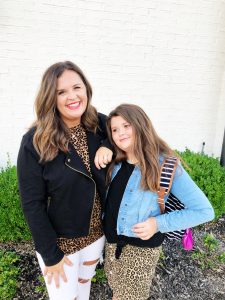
(13, 226)
(205, 171)
(209, 175)
(8, 274)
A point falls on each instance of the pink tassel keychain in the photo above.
(187, 240)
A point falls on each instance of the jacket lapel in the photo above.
(74, 161)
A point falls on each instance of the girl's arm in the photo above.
(197, 210)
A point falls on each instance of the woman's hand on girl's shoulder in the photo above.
(103, 156)
(54, 272)
(145, 230)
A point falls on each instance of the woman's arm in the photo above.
(104, 154)
(33, 192)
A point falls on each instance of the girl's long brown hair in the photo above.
(51, 132)
(148, 146)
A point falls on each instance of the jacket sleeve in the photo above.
(102, 124)
(33, 193)
(197, 210)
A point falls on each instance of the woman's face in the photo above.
(71, 98)
(122, 134)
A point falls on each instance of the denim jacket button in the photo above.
(131, 190)
(68, 160)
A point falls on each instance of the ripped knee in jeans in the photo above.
(87, 263)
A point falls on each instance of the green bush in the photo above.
(209, 175)
(13, 226)
(41, 287)
(8, 274)
(205, 171)
(100, 276)
(209, 255)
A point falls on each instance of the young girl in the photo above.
(133, 224)
(62, 190)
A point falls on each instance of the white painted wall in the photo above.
(166, 56)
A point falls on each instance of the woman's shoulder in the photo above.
(102, 118)
(30, 132)
(28, 136)
(27, 140)
(102, 124)
(101, 115)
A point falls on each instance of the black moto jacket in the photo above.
(57, 197)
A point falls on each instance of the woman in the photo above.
(61, 188)
(133, 224)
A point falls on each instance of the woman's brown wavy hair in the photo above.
(148, 146)
(51, 132)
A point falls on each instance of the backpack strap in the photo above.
(167, 172)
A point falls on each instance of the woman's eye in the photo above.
(61, 93)
(113, 130)
(127, 125)
(76, 88)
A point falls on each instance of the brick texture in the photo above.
(166, 56)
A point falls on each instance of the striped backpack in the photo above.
(168, 169)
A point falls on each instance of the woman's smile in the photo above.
(71, 98)
(74, 105)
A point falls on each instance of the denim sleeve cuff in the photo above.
(161, 223)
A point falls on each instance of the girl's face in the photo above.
(71, 98)
(122, 134)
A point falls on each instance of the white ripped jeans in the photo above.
(73, 289)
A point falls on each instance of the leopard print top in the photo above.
(78, 138)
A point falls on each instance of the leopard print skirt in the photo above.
(131, 275)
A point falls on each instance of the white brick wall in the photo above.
(167, 56)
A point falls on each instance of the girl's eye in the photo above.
(127, 125)
(61, 93)
(113, 130)
(76, 87)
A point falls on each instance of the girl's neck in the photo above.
(132, 159)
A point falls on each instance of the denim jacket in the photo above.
(138, 205)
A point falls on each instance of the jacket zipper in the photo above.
(94, 193)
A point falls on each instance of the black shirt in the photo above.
(113, 200)
(112, 205)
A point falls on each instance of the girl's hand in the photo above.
(103, 156)
(145, 230)
(56, 271)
